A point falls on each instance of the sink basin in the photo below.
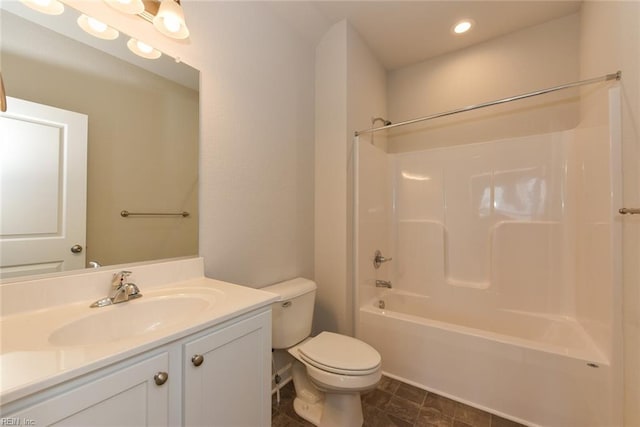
(131, 318)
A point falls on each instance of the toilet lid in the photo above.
(340, 354)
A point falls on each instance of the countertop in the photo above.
(31, 361)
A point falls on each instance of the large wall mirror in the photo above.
(141, 147)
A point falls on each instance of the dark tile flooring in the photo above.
(396, 404)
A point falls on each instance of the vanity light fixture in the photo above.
(131, 7)
(97, 28)
(142, 49)
(50, 7)
(170, 20)
(462, 26)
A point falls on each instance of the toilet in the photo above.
(329, 370)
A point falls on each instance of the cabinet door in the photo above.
(230, 387)
(126, 397)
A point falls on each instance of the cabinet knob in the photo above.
(161, 378)
(197, 360)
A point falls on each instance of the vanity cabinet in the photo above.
(125, 394)
(226, 384)
(227, 375)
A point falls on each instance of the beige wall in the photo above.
(610, 41)
(537, 57)
(137, 159)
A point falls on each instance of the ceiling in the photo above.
(400, 33)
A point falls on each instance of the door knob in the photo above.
(76, 249)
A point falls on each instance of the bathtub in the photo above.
(533, 369)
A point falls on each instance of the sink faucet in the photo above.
(122, 290)
(383, 284)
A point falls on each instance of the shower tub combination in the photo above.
(503, 272)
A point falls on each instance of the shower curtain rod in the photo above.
(615, 76)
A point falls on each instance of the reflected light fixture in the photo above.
(97, 28)
(462, 26)
(170, 20)
(132, 7)
(142, 49)
(50, 7)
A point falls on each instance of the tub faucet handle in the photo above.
(378, 259)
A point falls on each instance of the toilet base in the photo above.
(341, 409)
(324, 409)
(337, 410)
(309, 411)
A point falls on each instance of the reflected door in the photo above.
(43, 170)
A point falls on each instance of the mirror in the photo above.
(142, 138)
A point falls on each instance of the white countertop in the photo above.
(30, 362)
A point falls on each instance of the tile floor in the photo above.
(396, 404)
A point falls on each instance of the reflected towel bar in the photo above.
(629, 211)
(127, 214)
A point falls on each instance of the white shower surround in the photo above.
(505, 278)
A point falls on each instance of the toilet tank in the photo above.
(292, 314)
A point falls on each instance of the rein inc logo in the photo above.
(16, 421)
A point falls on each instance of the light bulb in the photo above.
(50, 7)
(131, 7)
(170, 20)
(144, 47)
(97, 26)
(172, 23)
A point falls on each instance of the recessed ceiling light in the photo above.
(462, 26)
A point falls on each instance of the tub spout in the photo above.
(383, 284)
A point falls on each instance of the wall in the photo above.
(331, 181)
(350, 90)
(257, 158)
(136, 160)
(537, 57)
(610, 41)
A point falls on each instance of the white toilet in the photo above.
(329, 370)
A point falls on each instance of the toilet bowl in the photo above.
(329, 370)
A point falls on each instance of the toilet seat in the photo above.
(340, 354)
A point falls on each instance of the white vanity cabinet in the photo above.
(230, 387)
(125, 394)
(227, 375)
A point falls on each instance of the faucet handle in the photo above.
(379, 259)
(120, 278)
